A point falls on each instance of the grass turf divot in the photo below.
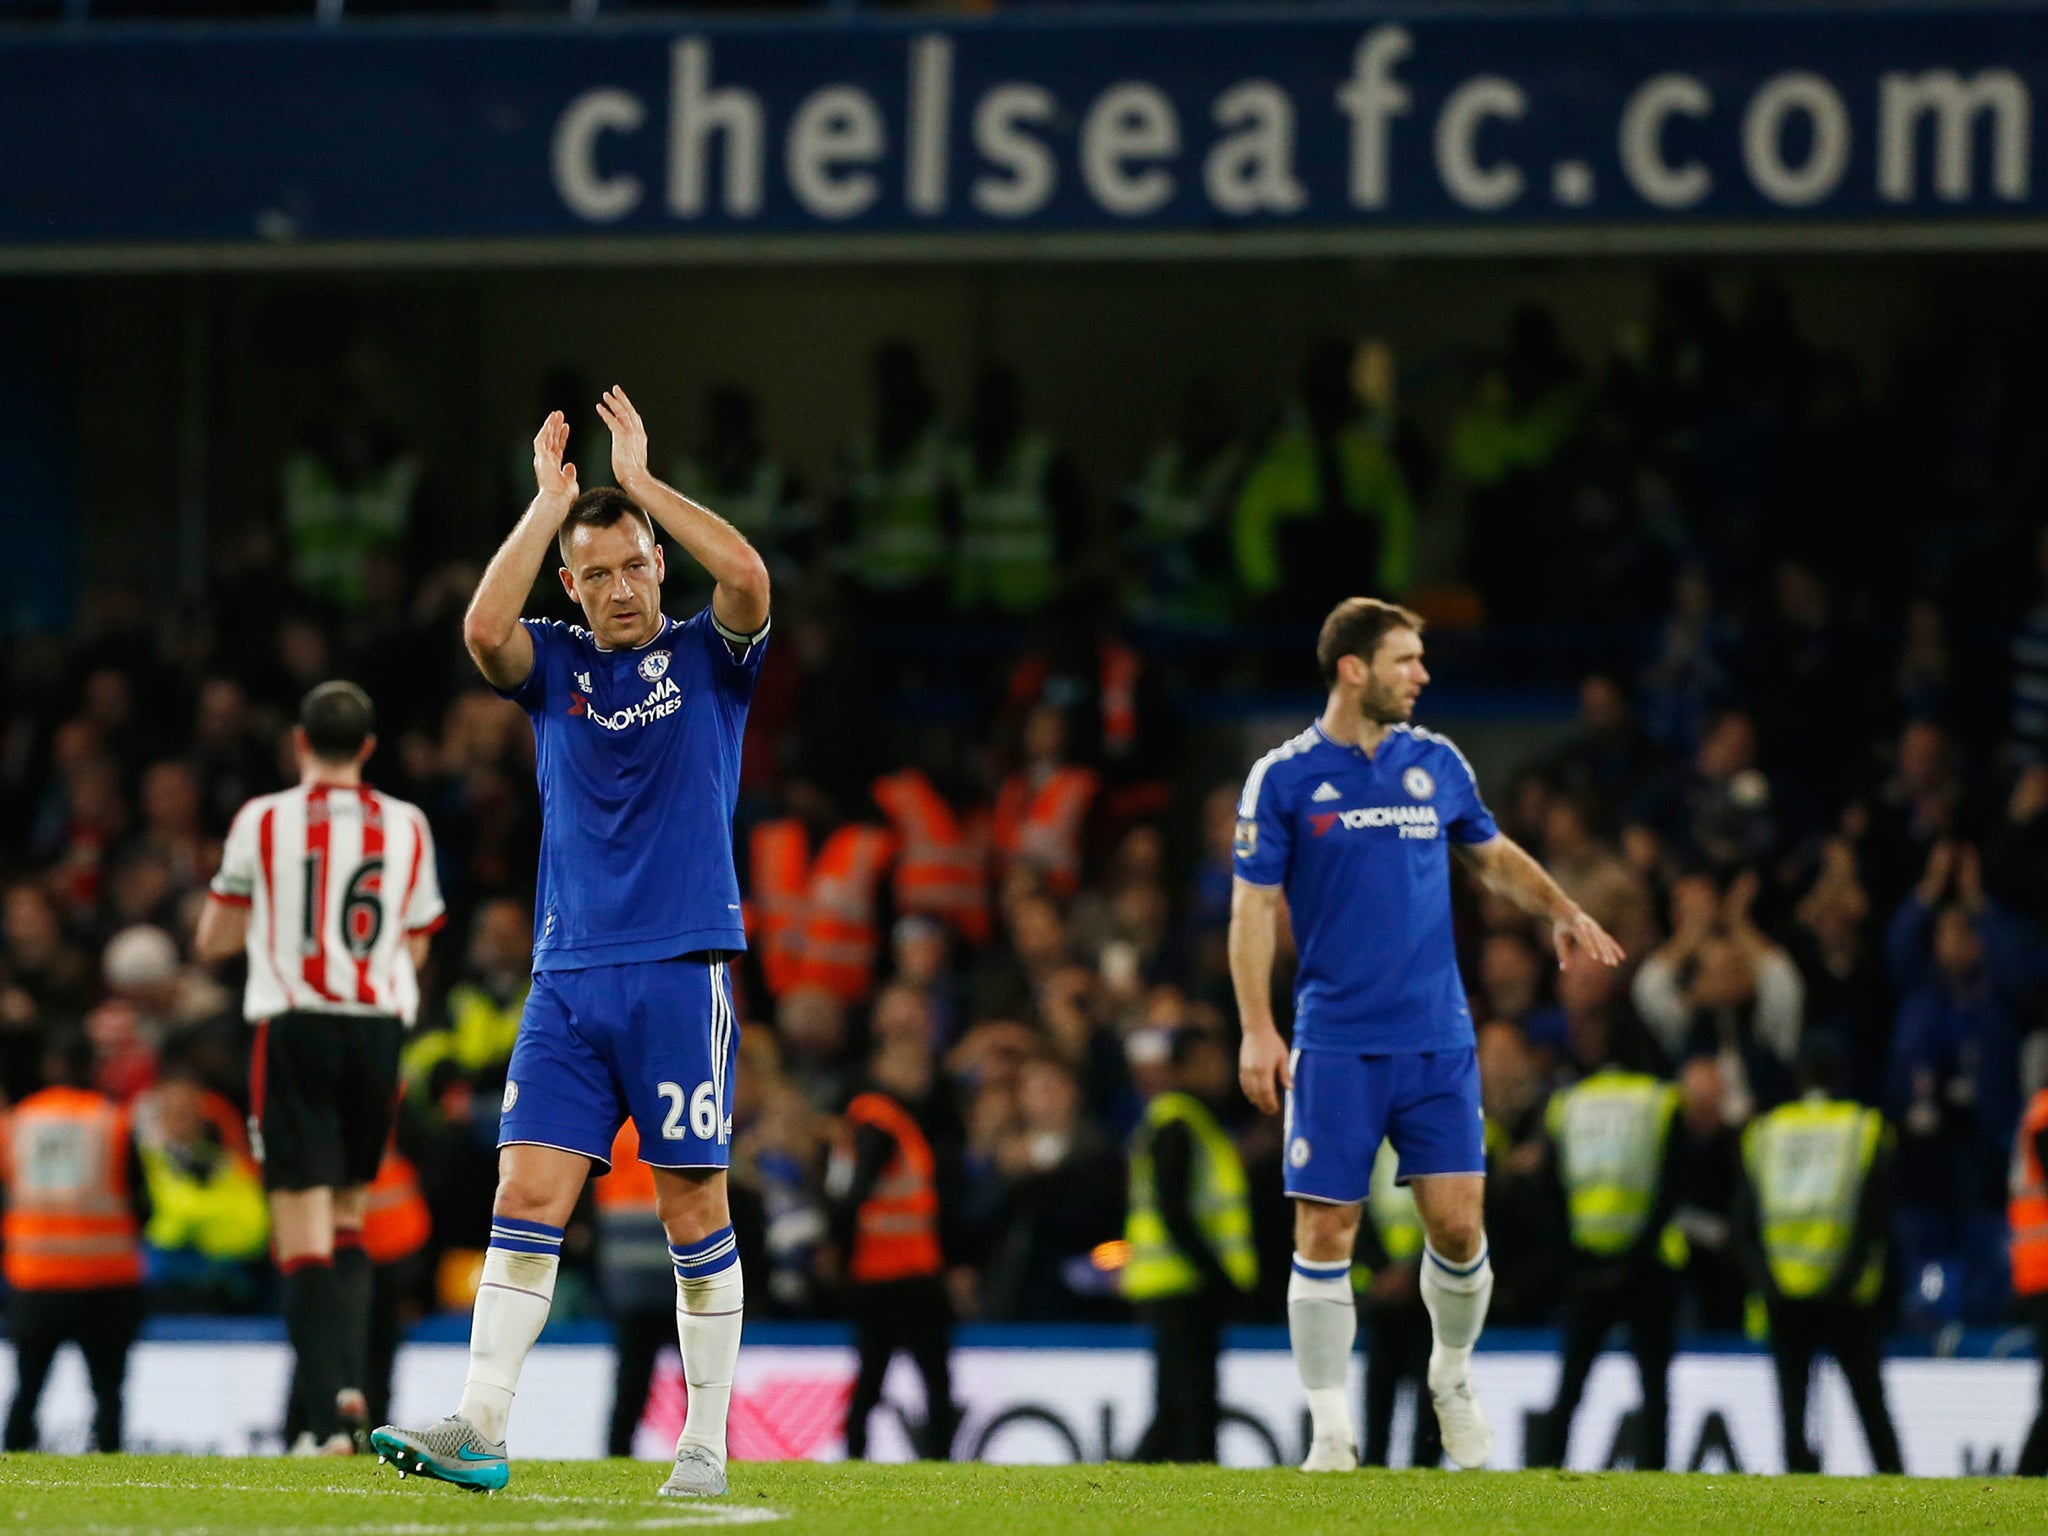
(196, 1496)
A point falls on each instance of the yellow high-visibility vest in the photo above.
(1611, 1132)
(1221, 1195)
(1807, 1165)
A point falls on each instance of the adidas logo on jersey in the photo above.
(1327, 791)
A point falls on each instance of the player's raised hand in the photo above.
(1581, 941)
(1262, 1069)
(629, 436)
(555, 480)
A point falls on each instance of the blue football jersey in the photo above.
(638, 757)
(1360, 843)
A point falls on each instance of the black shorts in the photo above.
(322, 1091)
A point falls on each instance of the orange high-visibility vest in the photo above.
(896, 1230)
(2027, 1210)
(817, 920)
(1041, 828)
(943, 869)
(396, 1223)
(841, 937)
(779, 879)
(69, 1225)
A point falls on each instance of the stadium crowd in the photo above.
(1805, 787)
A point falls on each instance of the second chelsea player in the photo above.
(1354, 822)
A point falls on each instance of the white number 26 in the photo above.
(703, 1112)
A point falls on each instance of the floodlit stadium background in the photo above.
(1700, 390)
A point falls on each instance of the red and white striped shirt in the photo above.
(336, 878)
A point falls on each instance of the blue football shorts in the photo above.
(1342, 1104)
(654, 1040)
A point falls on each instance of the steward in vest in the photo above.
(815, 922)
(1042, 808)
(734, 473)
(209, 1223)
(1611, 1140)
(1189, 1228)
(347, 494)
(1816, 1202)
(942, 863)
(896, 503)
(1177, 539)
(1019, 505)
(637, 1279)
(2028, 1215)
(71, 1240)
(1386, 1274)
(883, 1191)
(1325, 508)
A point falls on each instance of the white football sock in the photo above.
(710, 1301)
(1322, 1322)
(512, 1302)
(1457, 1296)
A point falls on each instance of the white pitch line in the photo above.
(711, 1515)
(346, 1490)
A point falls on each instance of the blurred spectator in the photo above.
(1043, 806)
(1720, 987)
(884, 1186)
(347, 492)
(1920, 803)
(1509, 447)
(46, 985)
(811, 1024)
(1064, 1190)
(1511, 976)
(2028, 717)
(1325, 511)
(1019, 504)
(1717, 809)
(1706, 1181)
(207, 1242)
(1848, 1004)
(733, 473)
(1953, 1086)
(1176, 537)
(895, 502)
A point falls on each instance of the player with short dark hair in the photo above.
(637, 723)
(330, 888)
(1350, 820)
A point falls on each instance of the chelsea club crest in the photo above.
(654, 665)
(1418, 783)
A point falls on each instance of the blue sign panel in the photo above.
(1442, 119)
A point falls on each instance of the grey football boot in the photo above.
(454, 1451)
(698, 1474)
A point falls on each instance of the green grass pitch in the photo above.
(179, 1496)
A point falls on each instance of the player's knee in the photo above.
(691, 1209)
(1325, 1233)
(525, 1197)
(1458, 1236)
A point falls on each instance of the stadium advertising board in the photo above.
(1492, 120)
(1955, 1417)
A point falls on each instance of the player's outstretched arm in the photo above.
(1254, 936)
(1505, 868)
(497, 641)
(739, 601)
